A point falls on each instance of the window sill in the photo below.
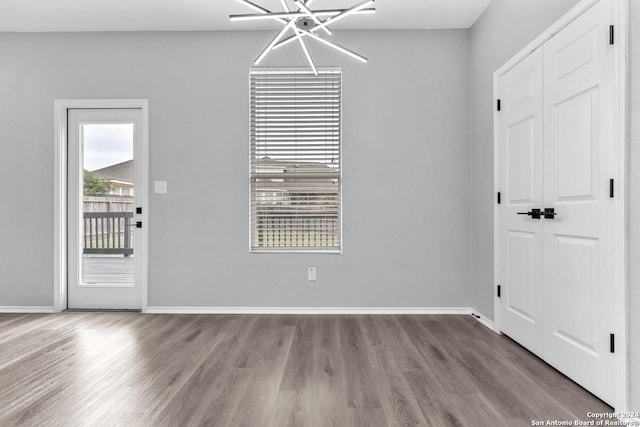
(294, 251)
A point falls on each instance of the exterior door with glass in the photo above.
(103, 208)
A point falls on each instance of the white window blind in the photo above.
(295, 167)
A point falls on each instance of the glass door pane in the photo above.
(107, 204)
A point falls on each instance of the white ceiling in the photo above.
(196, 15)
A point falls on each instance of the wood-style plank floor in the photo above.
(131, 369)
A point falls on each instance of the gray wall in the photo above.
(406, 166)
(503, 30)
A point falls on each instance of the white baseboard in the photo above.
(308, 310)
(486, 322)
(26, 309)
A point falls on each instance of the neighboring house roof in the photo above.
(122, 172)
(269, 165)
(317, 185)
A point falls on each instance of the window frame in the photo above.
(310, 250)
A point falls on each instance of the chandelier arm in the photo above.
(261, 9)
(263, 16)
(334, 15)
(254, 6)
(305, 50)
(337, 47)
(343, 13)
(273, 42)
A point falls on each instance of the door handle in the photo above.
(549, 213)
(534, 213)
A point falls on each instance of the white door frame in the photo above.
(621, 8)
(60, 274)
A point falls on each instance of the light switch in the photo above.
(160, 187)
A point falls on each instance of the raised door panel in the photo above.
(520, 142)
(521, 264)
(576, 140)
(576, 263)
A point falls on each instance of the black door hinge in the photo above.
(612, 343)
(499, 291)
(498, 105)
(611, 34)
(138, 210)
(138, 224)
(611, 188)
(499, 198)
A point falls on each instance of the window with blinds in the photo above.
(295, 166)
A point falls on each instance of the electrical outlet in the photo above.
(311, 273)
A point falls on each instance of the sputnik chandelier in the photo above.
(305, 23)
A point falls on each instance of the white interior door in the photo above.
(103, 182)
(579, 155)
(521, 172)
(557, 151)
